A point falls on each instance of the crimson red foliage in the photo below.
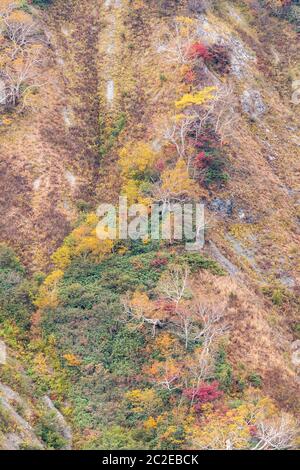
(168, 307)
(160, 166)
(199, 160)
(198, 50)
(208, 139)
(205, 393)
(202, 161)
(159, 262)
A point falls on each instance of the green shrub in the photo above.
(278, 297)
(106, 142)
(215, 173)
(8, 259)
(16, 291)
(47, 430)
(255, 379)
(196, 262)
(296, 329)
(5, 420)
(223, 370)
(42, 3)
(114, 438)
(117, 273)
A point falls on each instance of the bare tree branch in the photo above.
(137, 313)
(276, 434)
(21, 77)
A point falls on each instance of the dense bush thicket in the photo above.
(15, 289)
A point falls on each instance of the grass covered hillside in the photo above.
(143, 344)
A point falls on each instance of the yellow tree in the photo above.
(133, 190)
(176, 184)
(175, 42)
(47, 296)
(136, 158)
(196, 99)
(256, 424)
(219, 431)
(145, 402)
(83, 241)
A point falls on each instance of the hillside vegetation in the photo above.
(141, 344)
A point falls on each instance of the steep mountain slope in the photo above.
(109, 346)
(49, 158)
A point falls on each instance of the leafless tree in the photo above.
(177, 42)
(20, 79)
(221, 112)
(168, 383)
(168, 199)
(201, 368)
(213, 326)
(178, 130)
(138, 314)
(176, 133)
(173, 286)
(196, 321)
(18, 31)
(184, 321)
(276, 434)
(170, 379)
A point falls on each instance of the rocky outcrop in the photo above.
(62, 427)
(253, 104)
(20, 432)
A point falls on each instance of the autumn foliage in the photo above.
(198, 50)
(205, 393)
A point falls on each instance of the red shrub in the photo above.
(190, 77)
(159, 262)
(205, 393)
(160, 166)
(199, 160)
(202, 161)
(208, 139)
(168, 307)
(198, 50)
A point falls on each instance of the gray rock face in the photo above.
(62, 425)
(2, 93)
(241, 57)
(196, 7)
(253, 104)
(23, 429)
(11, 441)
(224, 206)
(295, 356)
(287, 281)
(2, 353)
(295, 346)
(222, 260)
